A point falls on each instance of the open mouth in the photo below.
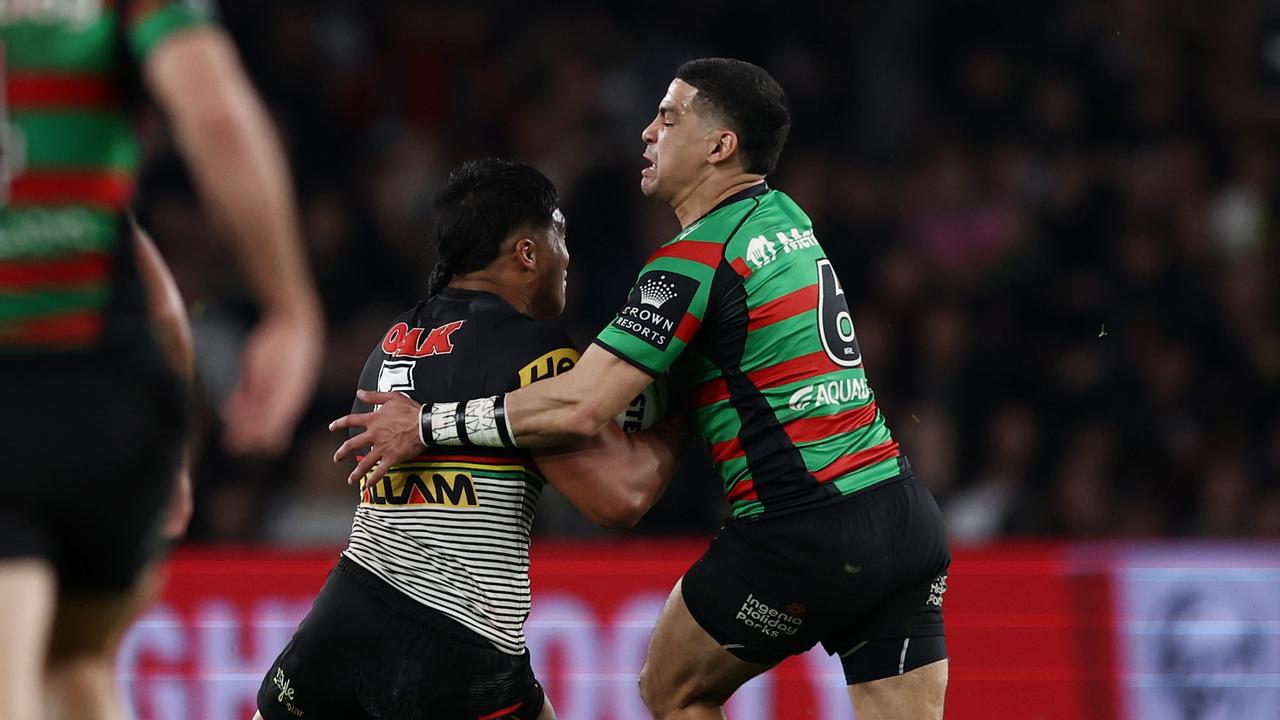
(649, 169)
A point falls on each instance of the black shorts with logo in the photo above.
(864, 576)
(367, 650)
(91, 446)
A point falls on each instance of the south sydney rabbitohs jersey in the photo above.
(747, 313)
(68, 158)
(450, 529)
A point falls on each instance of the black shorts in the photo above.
(864, 576)
(91, 446)
(366, 650)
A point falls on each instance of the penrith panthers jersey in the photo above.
(451, 529)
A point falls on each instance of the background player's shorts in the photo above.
(368, 651)
(90, 447)
(864, 576)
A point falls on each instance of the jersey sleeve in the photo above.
(537, 351)
(665, 307)
(148, 23)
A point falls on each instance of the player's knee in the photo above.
(647, 681)
(654, 692)
(662, 694)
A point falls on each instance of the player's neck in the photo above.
(710, 192)
(513, 293)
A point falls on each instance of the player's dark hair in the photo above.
(749, 100)
(483, 202)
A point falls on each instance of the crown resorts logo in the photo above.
(656, 292)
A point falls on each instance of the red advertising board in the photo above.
(1028, 634)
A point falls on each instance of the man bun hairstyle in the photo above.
(749, 100)
(481, 204)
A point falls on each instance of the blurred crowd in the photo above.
(1055, 223)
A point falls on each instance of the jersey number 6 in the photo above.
(835, 325)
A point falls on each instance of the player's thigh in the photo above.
(686, 665)
(366, 650)
(548, 712)
(27, 590)
(919, 694)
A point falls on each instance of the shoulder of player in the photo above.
(523, 333)
(533, 350)
(778, 227)
(724, 233)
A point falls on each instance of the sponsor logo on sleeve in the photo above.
(556, 362)
(656, 306)
(761, 250)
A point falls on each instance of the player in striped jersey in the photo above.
(423, 617)
(80, 522)
(832, 539)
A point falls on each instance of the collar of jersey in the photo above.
(753, 191)
(465, 294)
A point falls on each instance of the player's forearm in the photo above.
(541, 415)
(555, 411)
(227, 138)
(653, 458)
(615, 477)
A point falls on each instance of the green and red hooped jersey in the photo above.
(745, 310)
(68, 161)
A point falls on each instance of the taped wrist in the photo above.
(481, 422)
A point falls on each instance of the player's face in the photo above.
(676, 145)
(553, 269)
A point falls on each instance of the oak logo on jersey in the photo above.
(556, 362)
(403, 341)
(656, 305)
(447, 489)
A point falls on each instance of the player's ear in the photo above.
(525, 253)
(725, 148)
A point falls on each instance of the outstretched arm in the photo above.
(566, 408)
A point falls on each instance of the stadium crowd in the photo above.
(1055, 223)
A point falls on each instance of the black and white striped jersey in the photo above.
(451, 529)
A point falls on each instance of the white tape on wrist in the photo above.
(481, 422)
(444, 425)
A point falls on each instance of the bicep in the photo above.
(196, 77)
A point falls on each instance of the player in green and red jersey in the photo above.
(80, 521)
(832, 539)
